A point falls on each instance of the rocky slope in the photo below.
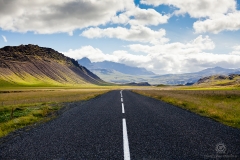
(220, 80)
(34, 65)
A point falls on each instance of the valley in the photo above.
(122, 74)
(119, 79)
(38, 86)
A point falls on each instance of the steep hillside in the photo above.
(38, 66)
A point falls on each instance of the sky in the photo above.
(163, 36)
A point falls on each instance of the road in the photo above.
(125, 125)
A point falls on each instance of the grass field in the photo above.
(220, 104)
(22, 107)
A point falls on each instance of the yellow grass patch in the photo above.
(221, 105)
(19, 108)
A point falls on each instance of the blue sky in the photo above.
(164, 36)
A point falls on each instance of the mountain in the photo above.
(118, 77)
(119, 67)
(138, 84)
(185, 78)
(120, 73)
(167, 79)
(85, 62)
(32, 65)
(217, 70)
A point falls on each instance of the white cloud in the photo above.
(220, 14)
(4, 38)
(197, 8)
(188, 57)
(46, 17)
(236, 50)
(141, 17)
(197, 45)
(165, 58)
(219, 23)
(236, 47)
(135, 33)
(94, 54)
(203, 43)
(131, 59)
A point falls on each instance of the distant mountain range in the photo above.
(185, 78)
(121, 73)
(113, 66)
(31, 65)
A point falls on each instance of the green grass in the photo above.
(20, 108)
(220, 105)
(27, 80)
(15, 117)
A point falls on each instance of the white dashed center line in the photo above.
(125, 141)
(123, 111)
(125, 135)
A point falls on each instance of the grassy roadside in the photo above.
(220, 105)
(24, 107)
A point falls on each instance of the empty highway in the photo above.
(125, 125)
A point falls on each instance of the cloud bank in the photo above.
(66, 16)
(47, 17)
(218, 15)
(165, 58)
(141, 17)
(216, 24)
(196, 9)
(135, 33)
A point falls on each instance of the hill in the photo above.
(220, 80)
(31, 65)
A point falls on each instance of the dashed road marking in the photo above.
(125, 141)
(123, 110)
(125, 135)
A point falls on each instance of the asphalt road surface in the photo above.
(125, 125)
